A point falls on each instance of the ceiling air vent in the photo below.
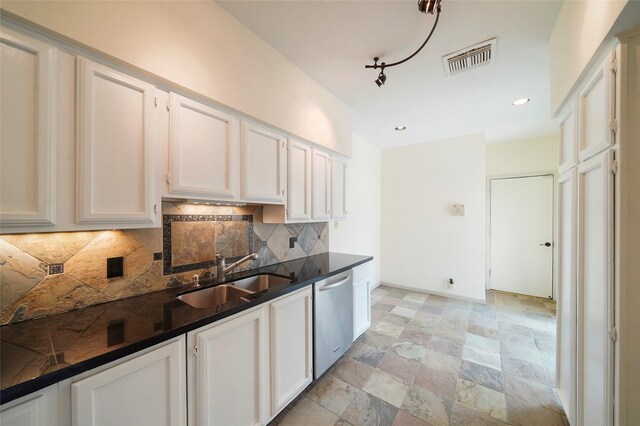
(470, 57)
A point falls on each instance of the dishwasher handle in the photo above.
(338, 284)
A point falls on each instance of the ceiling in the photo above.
(333, 40)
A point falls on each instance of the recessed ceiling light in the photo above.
(519, 102)
(400, 128)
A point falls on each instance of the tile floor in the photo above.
(433, 360)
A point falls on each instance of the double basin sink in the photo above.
(242, 290)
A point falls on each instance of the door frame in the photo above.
(554, 177)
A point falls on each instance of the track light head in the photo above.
(428, 6)
(382, 78)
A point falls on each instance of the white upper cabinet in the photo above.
(596, 106)
(338, 188)
(568, 140)
(264, 172)
(203, 151)
(115, 147)
(299, 181)
(28, 131)
(321, 185)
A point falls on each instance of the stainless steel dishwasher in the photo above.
(333, 320)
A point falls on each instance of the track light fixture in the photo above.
(424, 6)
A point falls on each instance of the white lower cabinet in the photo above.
(291, 348)
(36, 409)
(234, 371)
(149, 389)
(361, 299)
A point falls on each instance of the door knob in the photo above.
(547, 244)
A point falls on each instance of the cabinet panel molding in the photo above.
(568, 139)
(28, 143)
(321, 185)
(115, 147)
(203, 151)
(298, 181)
(264, 172)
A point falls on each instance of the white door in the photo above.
(147, 390)
(521, 232)
(228, 372)
(595, 290)
(115, 147)
(321, 185)
(264, 173)
(361, 299)
(339, 188)
(291, 348)
(28, 131)
(203, 151)
(299, 181)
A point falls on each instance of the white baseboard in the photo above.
(439, 293)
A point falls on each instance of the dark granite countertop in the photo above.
(37, 353)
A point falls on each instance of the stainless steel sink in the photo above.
(261, 282)
(214, 296)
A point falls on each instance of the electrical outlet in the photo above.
(115, 267)
(292, 242)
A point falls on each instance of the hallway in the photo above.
(433, 360)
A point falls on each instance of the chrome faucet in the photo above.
(196, 280)
(222, 269)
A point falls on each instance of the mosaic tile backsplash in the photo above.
(50, 273)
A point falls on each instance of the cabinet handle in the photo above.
(155, 208)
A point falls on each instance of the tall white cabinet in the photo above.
(28, 131)
(586, 297)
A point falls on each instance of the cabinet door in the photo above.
(230, 372)
(115, 147)
(203, 151)
(263, 165)
(291, 348)
(36, 409)
(321, 185)
(595, 291)
(596, 106)
(338, 188)
(568, 140)
(361, 299)
(299, 181)
(147, 390)
(566, 246)
(28, 131)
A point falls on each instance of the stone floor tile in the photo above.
(416, 298)
(441, 361)
(480, 330)
(410, 350)
(416, 336)
(333, 394)
(466, 416)
(525, 370)
(378, 340)
(367, 410)
(514, 328)
(429, 308)
(482, 375)
(377, 314)
(441, 382)
(366, 354)
(406, 419)
(524, 353)
(454, 335)
(544, 317)
(482, 343)
(446, 346)
(484, 322)
(352, 372)
(389, 329)
(398, 366)
(427, 406)
(527, 413)
(544, 340)
(483, 399)
(404, 312)
(482, 357)
(510, 338)
(388, 300)
(396, 319)
(383, 306)
(386, 387)
(307, 412)
(542, 395)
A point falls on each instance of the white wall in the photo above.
(423, 244)
(199, 46)
(525, 156)
(579, 31)
(360, 233)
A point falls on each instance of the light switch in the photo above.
(458, 210)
